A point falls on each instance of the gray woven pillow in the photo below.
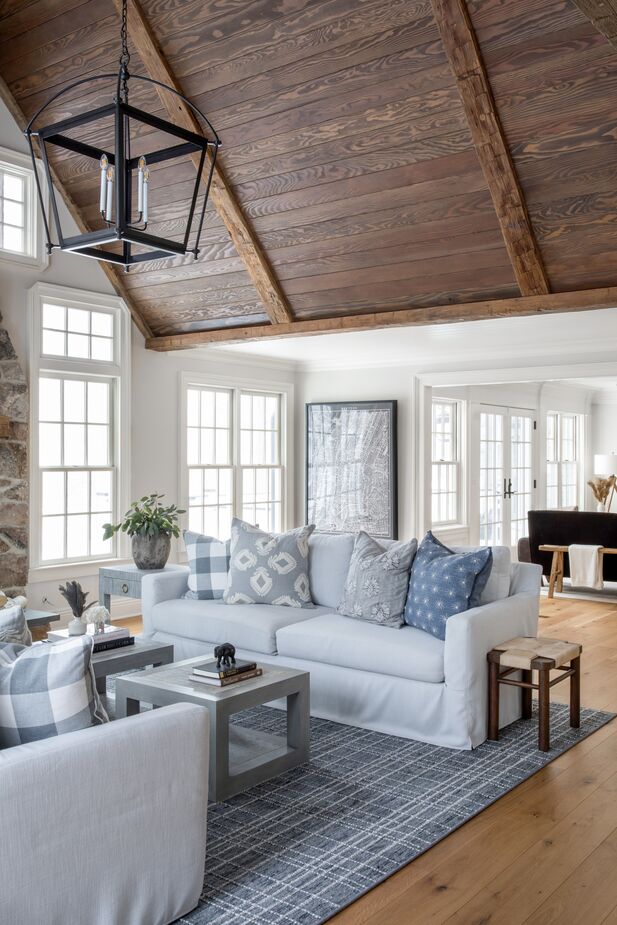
(13, 626)
(377, 581)
(268, 568)
(47, 689)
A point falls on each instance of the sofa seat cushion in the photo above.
(337, 640)
(247, 626)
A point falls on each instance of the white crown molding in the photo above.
(220, 356)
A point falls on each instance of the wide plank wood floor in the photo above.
(546, 852)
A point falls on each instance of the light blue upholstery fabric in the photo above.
(13, 626)
(444, 583)
(329, 558)
(208, 560)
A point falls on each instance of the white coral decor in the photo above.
(99, 615)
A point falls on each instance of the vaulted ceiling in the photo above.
(411, 158)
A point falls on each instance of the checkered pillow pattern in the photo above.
(208, 559)
(47, 689)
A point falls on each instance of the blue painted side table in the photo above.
(124, 581)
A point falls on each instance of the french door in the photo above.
(503, 439)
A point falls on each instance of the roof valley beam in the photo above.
(111, 274)
(221, 194)
(603, 14)
(549, 303)
(461, 46)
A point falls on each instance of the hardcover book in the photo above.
(225, 682)
(209, 669)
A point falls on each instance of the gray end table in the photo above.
(143, 653)
(240, 757)
(125, 581)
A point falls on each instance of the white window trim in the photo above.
(22, 163)
(579, 436)
(284, 389)
(119, 369)
(461, 486)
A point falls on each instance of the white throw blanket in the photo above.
(585, 566)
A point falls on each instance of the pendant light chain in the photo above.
(125, 55)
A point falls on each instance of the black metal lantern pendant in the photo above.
(124, 190)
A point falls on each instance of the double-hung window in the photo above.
(234, 457)
(563, 456)
(79, 387)
(445, 462)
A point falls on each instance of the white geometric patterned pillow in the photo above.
(268, 568)
(377, 581)
(208, 560)
(47, 689)
(13, 626)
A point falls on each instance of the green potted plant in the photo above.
(151, 527)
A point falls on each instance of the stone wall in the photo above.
(13, 471)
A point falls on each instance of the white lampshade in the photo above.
(605, 464)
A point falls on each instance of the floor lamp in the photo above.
(606, 465)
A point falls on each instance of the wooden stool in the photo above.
(527, 654)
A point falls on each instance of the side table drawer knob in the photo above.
(125, 588)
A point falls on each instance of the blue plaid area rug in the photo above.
(299, 848)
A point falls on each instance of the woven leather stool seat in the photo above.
(521, 657)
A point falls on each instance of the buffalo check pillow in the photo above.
(47, 689)
(208, 560)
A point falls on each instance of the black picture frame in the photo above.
(380, 474)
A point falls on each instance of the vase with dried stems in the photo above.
(603, 490)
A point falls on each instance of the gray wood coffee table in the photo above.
(239, 757)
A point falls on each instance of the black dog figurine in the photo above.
(225, 655)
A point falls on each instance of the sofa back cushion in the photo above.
(329, 558)
(47, 689)
(208, 561)
(377, 581)
(268, 568)
(444, 583)
(498, 585)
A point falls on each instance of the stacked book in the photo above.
(112, 637)
(222, 676)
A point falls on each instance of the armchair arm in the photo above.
(112, 819)
(161, 586)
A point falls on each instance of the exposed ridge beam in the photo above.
(603, 15)
(461, 46)
(225, 202)
(111, 274)
(551, 303)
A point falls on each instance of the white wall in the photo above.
(604, 425)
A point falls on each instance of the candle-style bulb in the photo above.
(141, 166)
(145, 195)
(110, 193)
(103, 194)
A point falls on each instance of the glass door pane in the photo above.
(521, 472)
(491, 478)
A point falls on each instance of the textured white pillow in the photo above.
(13, 625)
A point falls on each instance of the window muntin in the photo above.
(445, 462)
(562, 459)
(234, 459)
(491, 478)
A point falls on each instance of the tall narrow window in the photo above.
(234, 458)
(20, 229)
(445, 463)
(78, 391)
(563, 457)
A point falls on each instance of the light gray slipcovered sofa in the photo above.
(399, 681)
(106, 826)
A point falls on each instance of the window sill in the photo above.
(82, 569)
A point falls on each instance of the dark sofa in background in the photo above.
(561, 528)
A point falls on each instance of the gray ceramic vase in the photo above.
(151, 552)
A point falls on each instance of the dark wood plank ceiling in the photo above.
(347, 145)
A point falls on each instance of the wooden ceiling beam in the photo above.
(603, 14)
(461, 46)
(221, 194)
(112, 275)
(551, 303)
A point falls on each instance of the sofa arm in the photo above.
(472, 634)
(161, 586)
(106, 825)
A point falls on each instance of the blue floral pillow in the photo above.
(443, 583)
